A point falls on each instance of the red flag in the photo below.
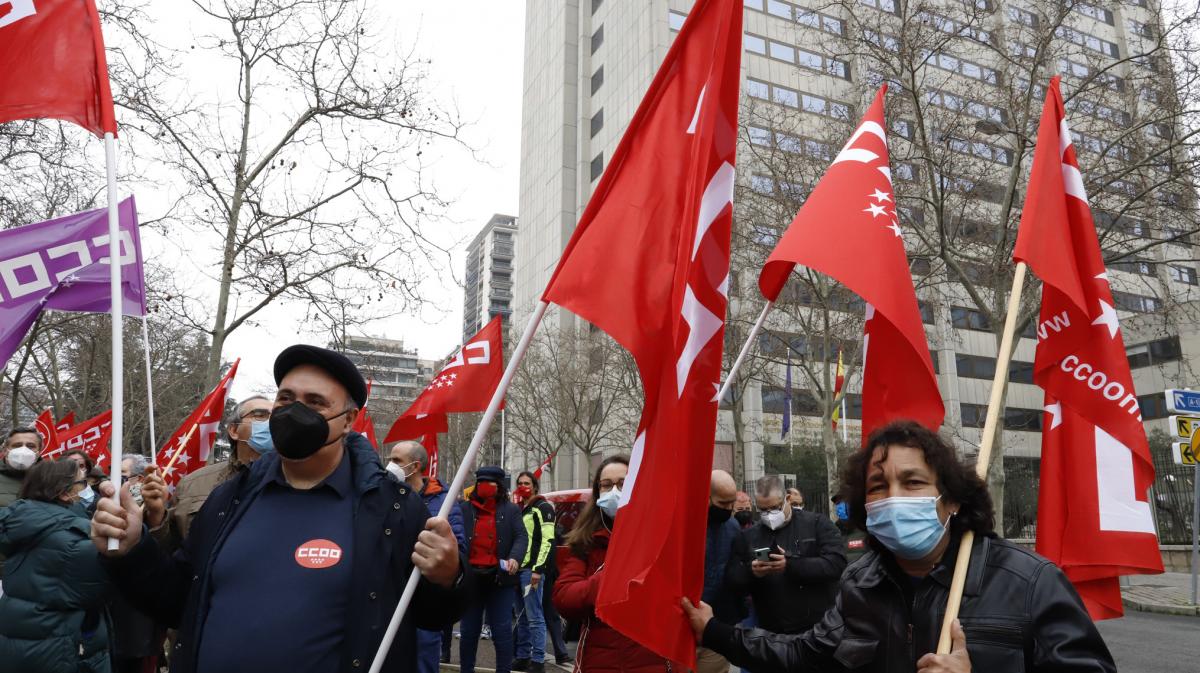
(537, 474)
(848, 230)
(467, 382)
(46, 429)
(411, 427)
(66, 422)
(193, 445)
(839, 381)
(649, 264)
(54, 65)
(430, 442)
(363, 424)
(1094, 520)
(90, 436)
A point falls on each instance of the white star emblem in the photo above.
(1055, 411)
(716, 392)
(875, 209)
(184, 458)
(896, 228)
(453, 376)
(1108, 318)
(1103, 275)
(881, 196)
(169, 471)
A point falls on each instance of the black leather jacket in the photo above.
(1019, 612)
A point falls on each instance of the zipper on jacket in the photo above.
(912, 654)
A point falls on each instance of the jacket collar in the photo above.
(882, 564)
(365, 470)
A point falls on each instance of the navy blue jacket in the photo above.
(511, 538)
(433, 494)
(718, 547)
(388, 515)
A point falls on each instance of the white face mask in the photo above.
(87, 494)
(21, 458)
(396, 470)
(772, 519)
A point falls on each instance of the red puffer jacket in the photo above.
(601, 648)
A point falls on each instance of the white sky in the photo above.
(476, 51)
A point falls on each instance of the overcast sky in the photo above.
(475, 55)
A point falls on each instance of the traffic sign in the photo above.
(1182, 454)
(1183, 401)
(1183, 426)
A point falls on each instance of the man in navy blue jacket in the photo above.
(297, 563)
(718, 547)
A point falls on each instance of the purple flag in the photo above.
(62, 265)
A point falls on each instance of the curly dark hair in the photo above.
(956, 480)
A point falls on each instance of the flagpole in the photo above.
(985, 452)
(845, 437)
(114, 287)
(737, 364)
(460, 477)
(503, 444)
(149, 391)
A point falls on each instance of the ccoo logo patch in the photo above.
(318, 554)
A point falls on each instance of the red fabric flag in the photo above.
(838, 382)
(363, 424)
(467, 382)
(1094, 519)
(54, 65)
(193, 445)
(66, 422)
(848, 230)
(90, 436)
(46, 429)
(649, 264)
(430, 442)
(537, 474)
(418, 425)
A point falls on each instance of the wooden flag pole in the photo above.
(737, 364)
(460, 477)
(179, 449)
(985, 452)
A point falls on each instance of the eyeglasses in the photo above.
(607, 484)
(256, 415)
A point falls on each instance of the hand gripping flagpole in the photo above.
(114, 287)
(985, 453)
(460, 478)
(149, 390)
(737, 364)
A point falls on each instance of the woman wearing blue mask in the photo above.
(601, 648)
(908, 490)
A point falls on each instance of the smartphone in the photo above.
(763, 554)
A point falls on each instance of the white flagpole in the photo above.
(737, 364)
(503, 444)
(114, 287)
(149, 391)
(845, 438)
(460, 478)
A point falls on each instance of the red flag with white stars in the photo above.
(467, 382)
(848, 229)
(46, 429)
(193, 446)
(649, 264)
(90, 436)
(1094, 517)
(54, 64)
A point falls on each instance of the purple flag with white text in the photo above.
(62, 265)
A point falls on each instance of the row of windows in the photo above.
(765, 184)
(791, 144)
(1101, 111)
(800, 346)
(957, 103)
(954, 27)
(1090, 143)
(774, 401)
(1081, 70)
(954, 64)
(1023, 16)
(981, 367)
(1154, 353)
(977, 148)
(1094, 11)
(1015, 418)
(796, 56)
(802, 16)
(1137, 303)
(1088, 41)
(797, 99)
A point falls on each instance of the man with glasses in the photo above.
(250, 437)
(789, 562)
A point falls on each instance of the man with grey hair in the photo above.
(789, 562)
(408, 461)
(250, 437)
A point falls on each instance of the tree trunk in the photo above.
(739, 440)
(832, 478)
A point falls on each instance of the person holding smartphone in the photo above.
(788, 563)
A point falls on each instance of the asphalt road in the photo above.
(1142, 642)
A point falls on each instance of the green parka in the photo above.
(52, 616)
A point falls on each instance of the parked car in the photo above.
(567, 507)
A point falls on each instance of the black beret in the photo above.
(339, 367)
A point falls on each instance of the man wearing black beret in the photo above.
(296, 564)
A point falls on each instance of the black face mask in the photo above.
(298, 432)
(744, 517)
(718, 515)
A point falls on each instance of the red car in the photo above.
(567, 506)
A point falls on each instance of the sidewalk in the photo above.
(1167, 594)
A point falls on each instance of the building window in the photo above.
(1015, 418)
(882, 5)
(968, 318)
(965, 68)
(1154, 353)
(597, 122)
(597, 39)
(754, 44)
(1020, 372)
(947, 25)
(1183, 274)
(1139, 266)
(1137, 303)
(1023, 17)
(596, 5)
(597, 79)
(1153, 406)
(597, 166)
(975, 366)
(1088, 41)
(781, 9)
(1097, 13)
(675, 20)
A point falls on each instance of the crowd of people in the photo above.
(292, 554)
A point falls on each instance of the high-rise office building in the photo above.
(488, 290)
(809, 68)
(397, 374)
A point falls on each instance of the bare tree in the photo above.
(311, 184)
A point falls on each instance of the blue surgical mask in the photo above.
(843, 511)
(260, 437)
(908, 526)
(609, 501)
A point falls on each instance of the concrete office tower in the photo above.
(961, 116)
(488, 276)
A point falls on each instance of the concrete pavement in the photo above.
(1167, 594)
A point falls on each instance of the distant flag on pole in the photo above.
(838, 382)
(90, 436)
(46, 429)
(66, 422)
(537, 474)
(787, 397)
(195, 436)
(363, 424)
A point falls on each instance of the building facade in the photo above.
(488, 276)
(809, 69)
(397, 374)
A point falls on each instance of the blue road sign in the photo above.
(1183, 401)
